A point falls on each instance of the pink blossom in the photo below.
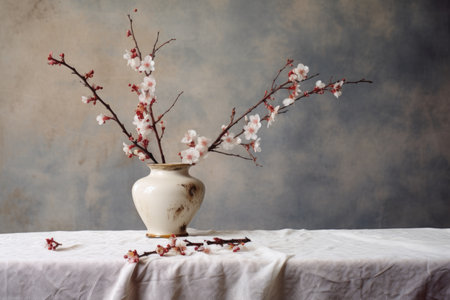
(273, 113)
(141, 155)
(143, 125)
(204, 248)
(250, 131)
(202, 145)
(132, 256)
(337, 88)
(180, 246)
(320, 84)
(229, 141)
(149, 84)
(190, 156)
(127, 149)
(288, 101)
(255, 120)
(101, 119)
(132, 59)
(145, 97)
(160, 250)
(189, 137)
(147, 64)
(301, 71)
(203, 141)
(256, 145)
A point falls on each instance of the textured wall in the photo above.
(377, 157)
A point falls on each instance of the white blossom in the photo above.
(101, 118)
(250, 131)
(320, 84)
(147, 64)
(190, 156)
(337, 89)
(301, 71)
(273, 113)
(141, 155)
(84, 99)
(257, 145)
(145, 97)
(189, 136)
(229, 141)
(255, 120)
(143, 126)
(149, 84)
(127, 149)
(288, 101)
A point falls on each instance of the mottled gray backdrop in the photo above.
(377, 157)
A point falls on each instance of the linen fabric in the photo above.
(278, 264)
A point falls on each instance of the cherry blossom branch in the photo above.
(93, 88)
(179, 247)
(267, 96)
(316, 90)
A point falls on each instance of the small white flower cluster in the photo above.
(147, 65)
(250, 130)
(296, 75)
(146, 93)
(198, 147)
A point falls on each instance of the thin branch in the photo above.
(173, 104)
(288, 63)
(134, 38)
(165, 43)
(230, 154)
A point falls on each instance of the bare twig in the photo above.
(230, 154)
(173, 104)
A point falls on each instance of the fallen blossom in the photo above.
(132, 256)
(51, 244)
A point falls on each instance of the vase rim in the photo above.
(169, 166)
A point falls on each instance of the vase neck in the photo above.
(172, 168)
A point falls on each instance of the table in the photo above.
(279, 264)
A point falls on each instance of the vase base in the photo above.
(166, 236)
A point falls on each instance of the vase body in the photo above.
(167, 199)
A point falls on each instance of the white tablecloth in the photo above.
(282, 264)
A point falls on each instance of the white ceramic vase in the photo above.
(167, 199)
